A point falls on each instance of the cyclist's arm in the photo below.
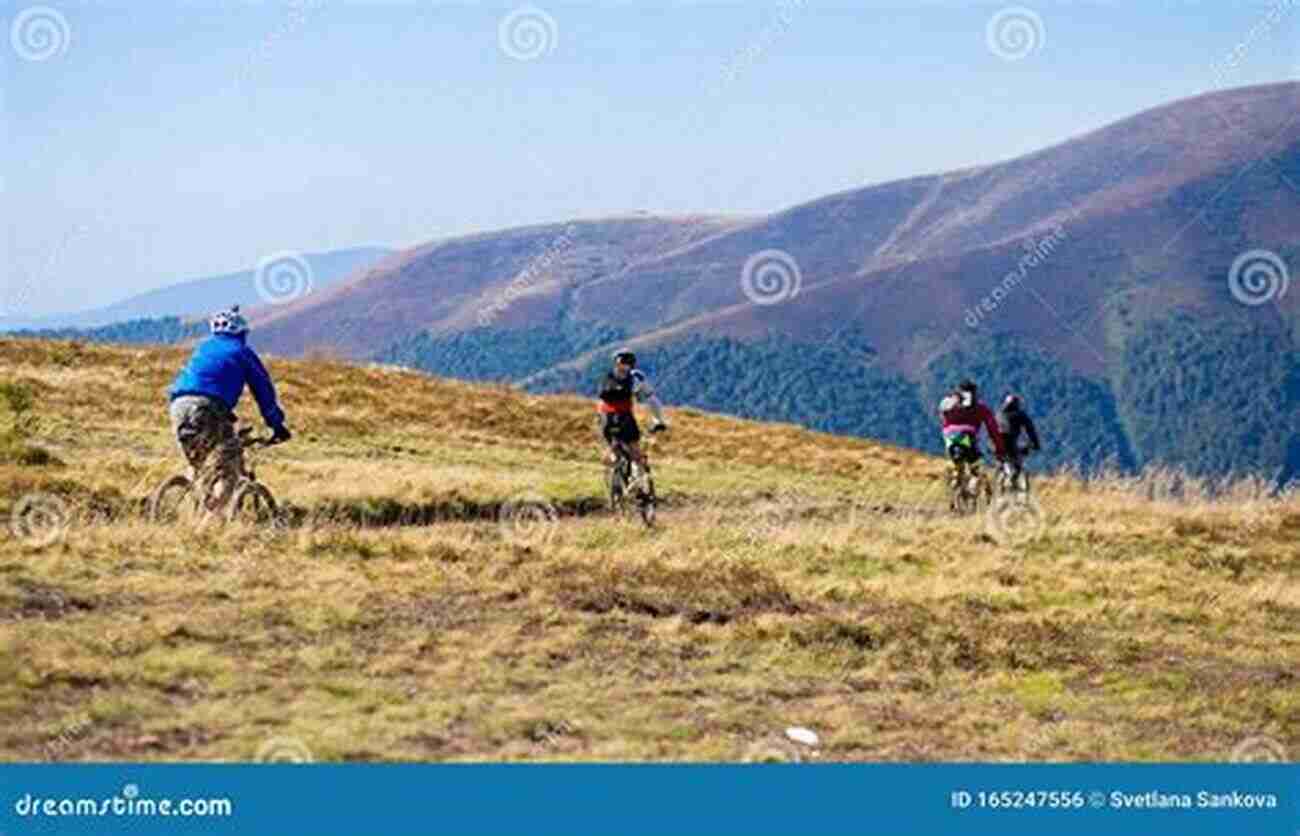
(1032, 431)
(645, 393)
(259, 381)
(991, 425)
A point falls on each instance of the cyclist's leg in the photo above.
(229, 463)
(973, 457)
(188, 429)
(630, 434)
(606, 431)
(206, 435)
(953, 451)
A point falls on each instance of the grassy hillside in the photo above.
(796, 579)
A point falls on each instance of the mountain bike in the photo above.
(1013, 479)
(627, 481)
(968, 485)
(250, 501)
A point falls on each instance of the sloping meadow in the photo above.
(447, 585)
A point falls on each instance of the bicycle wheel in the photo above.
(983, 491)
(617, 479)
(966, 500)
(1006, 480)
(956, 481)
(173, 500)
(1021, 483)
(647, 501)
(252, 504)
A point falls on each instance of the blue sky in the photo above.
(165, 142)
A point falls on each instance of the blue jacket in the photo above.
(219, 368)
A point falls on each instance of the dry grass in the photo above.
(796, 578)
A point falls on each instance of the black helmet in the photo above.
(623, 355)
(1013, 403)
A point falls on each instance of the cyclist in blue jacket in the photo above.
(205, 393)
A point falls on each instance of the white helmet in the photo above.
(228, 322)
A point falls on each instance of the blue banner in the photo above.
(1259, 800)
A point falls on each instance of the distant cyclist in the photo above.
(1013, 421)
(621, 386)
(204, 395)
(963, 414)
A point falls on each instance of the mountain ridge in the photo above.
(200, 296)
